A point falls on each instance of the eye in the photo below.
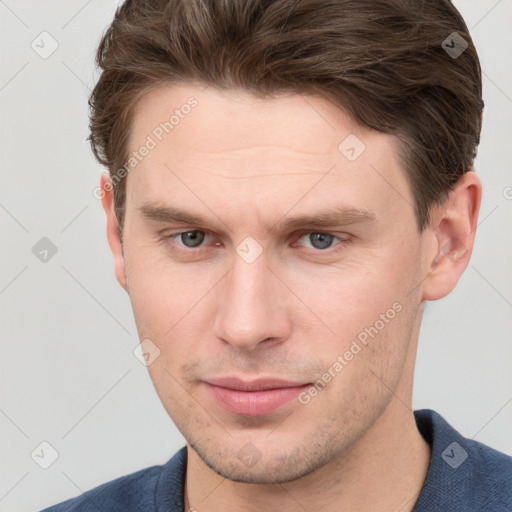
(190, 239)
(320, 241)
(316, 241)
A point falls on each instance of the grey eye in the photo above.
(321, 240)
(192, 238)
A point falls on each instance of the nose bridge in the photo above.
(249, 311)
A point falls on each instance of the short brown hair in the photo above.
(385, 62)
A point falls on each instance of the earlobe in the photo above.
(113, 235)
(452, 235)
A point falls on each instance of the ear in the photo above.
(113, 234)
(452, 235)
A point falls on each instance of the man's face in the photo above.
(245, 300)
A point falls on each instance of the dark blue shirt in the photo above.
(463, 476)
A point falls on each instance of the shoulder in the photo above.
(141, 490)
(493, 476)
(129, 490)
(464, 474)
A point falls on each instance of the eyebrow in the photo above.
(327, 218)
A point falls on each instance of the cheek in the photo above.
(172, 308)
(162, 293)
(351, 298)
(368, 306)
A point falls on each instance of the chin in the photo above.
(282, 468)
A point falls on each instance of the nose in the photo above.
(252, 306)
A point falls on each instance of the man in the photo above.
(289, 183)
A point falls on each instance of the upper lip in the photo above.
(261, 384)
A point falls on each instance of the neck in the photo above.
(384, 470)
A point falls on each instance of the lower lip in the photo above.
(253, 403)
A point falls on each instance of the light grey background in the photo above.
(68, 373)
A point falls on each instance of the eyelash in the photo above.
(297, 236)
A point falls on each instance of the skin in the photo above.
(244, 163)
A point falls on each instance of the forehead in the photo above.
(231, 144)
(226, 120)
